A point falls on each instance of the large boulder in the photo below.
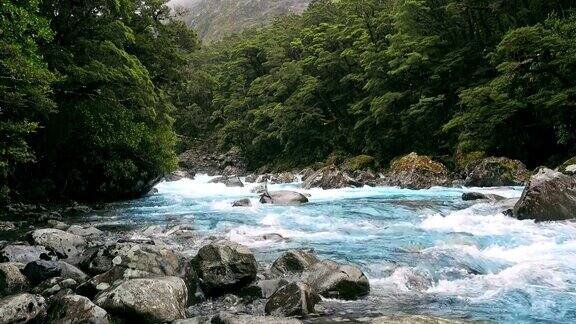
(497, 171)
(334, 280)
(110, 278)
(22, 308)
(549, 195)
(71, 309)
(358, 163)
(415, 171)
(293, 261)
(12, 281)
(224, 267)
(24, 253)
(151, 300)
(294, 299)
(66, 245)
(144, 257)
(329, 178)
(38, 271)
(283, 197)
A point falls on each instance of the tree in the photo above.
(24, 85)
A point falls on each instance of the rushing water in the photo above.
(425, 252)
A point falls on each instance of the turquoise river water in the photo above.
(425, 252)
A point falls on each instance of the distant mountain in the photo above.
(215, 19)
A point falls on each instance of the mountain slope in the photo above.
(215, 19)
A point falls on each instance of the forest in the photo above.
(98, 97)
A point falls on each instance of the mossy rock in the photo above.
(497, 171)
(568, 167)
(468, 161)
(336, 158)
(360, 162)
(414, 161)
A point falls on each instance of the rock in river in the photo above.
(415, 171)
(283, 197)
(549, 195)
(224, 267)
(294, 299)
(150, 300)
(494, 172)
(334, 280)
(293, 261)
(329, 178)
(242, 203)
(469, 196)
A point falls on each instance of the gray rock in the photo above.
(269, 286)
(469, 196)
(294, 299)
(144, 257)
(225, 267)
(179, 175)
(334, 280)
(55, 285)
(66, 245)
(71, 309)
(283, 197)
(149, 300)
(84, 231)
(548, 196)
(38, 271)
(24, 253)
(242, 203)
(110, 278)
(293, 261)
(22, 308)
(12, 281)
(495, 172)
(329, 178)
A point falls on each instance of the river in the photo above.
(425, 252)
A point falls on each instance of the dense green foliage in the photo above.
(94, 93)
(387, 77)
(95, 86)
